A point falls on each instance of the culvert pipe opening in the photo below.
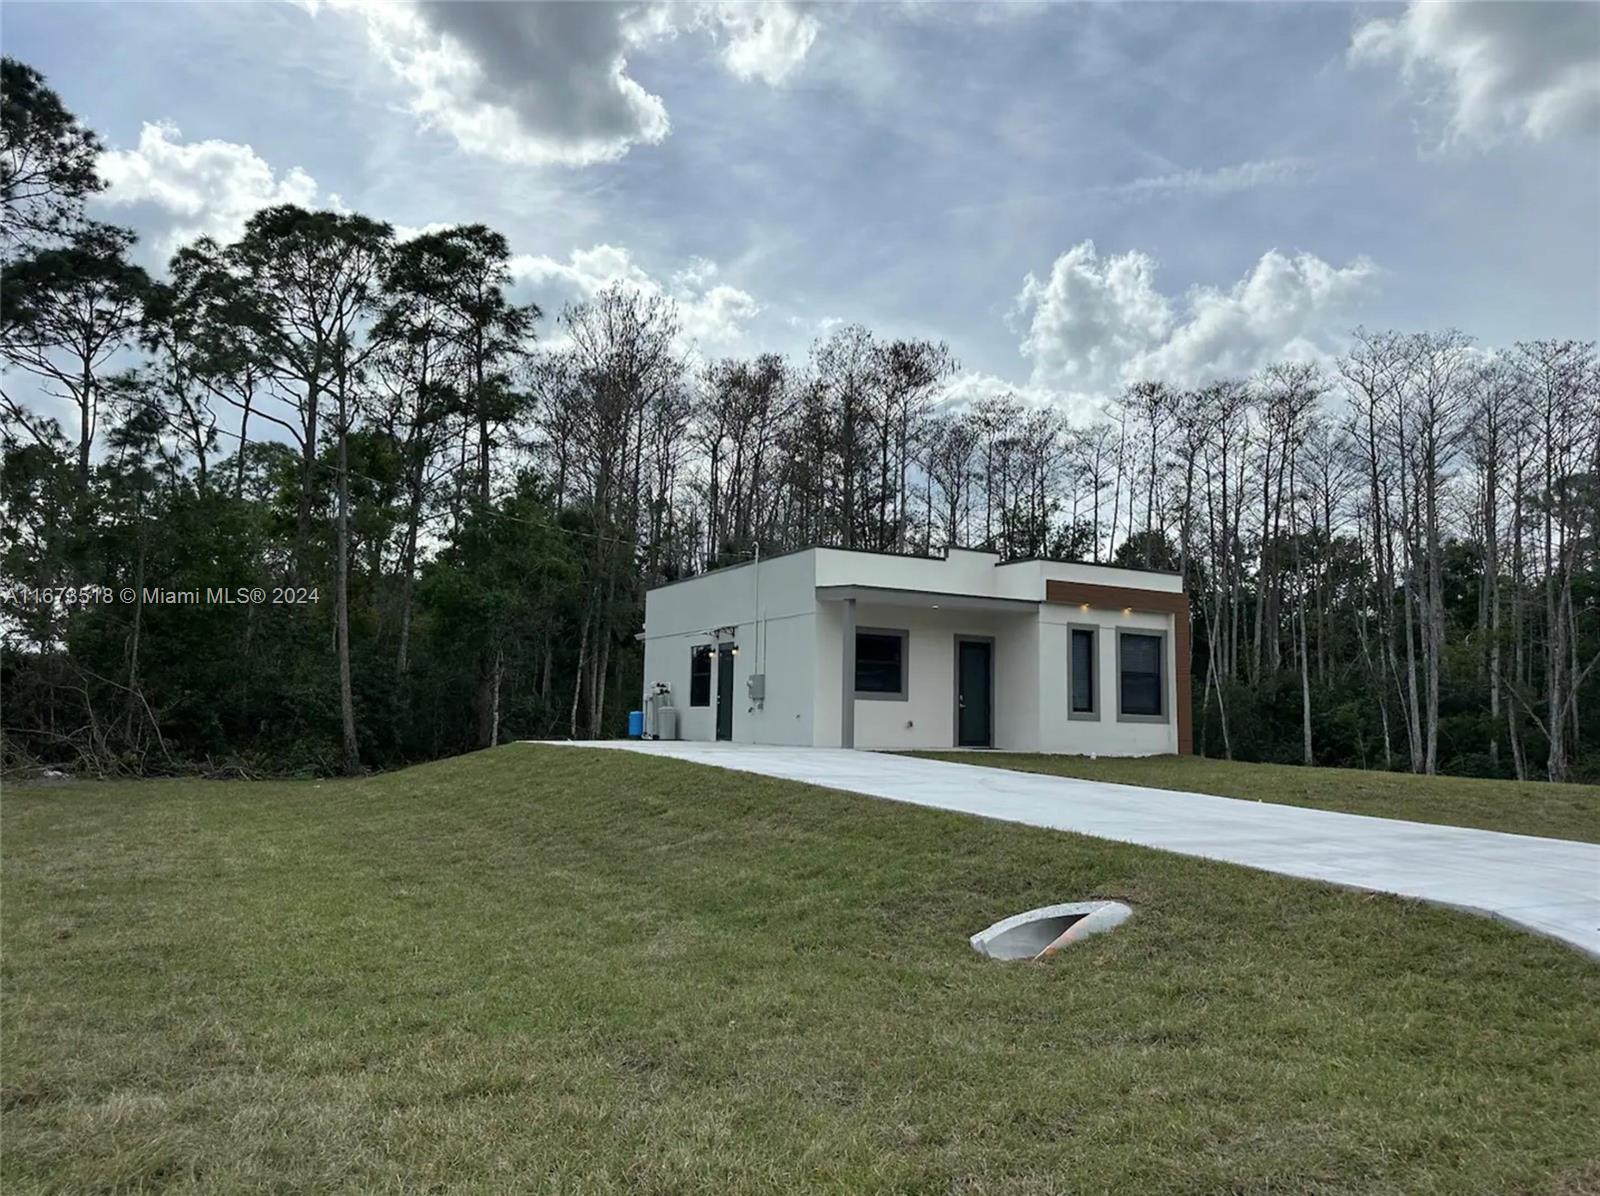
(1039, 933)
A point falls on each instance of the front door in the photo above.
(725, 691)
(974, 693)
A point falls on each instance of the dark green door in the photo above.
(725, 691)
(974, 693)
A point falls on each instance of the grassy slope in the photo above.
(1521, 807)
(547, 967)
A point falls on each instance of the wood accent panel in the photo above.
(1166, 602)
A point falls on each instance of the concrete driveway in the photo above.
(1550, 886)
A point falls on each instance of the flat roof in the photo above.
(910, 556)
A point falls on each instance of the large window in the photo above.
(880, 664)
(1081, 670)
(1141, 676)
(700, 675)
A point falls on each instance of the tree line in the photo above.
(452, 502)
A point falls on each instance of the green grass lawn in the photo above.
(545, 968)
(1521, 807)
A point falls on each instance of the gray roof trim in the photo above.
(892, 596)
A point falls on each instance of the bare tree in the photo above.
(624, 358)
(1563, 397)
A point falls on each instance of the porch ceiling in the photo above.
(927, 599)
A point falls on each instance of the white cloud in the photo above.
(410, 232)
(1090, 316)
(698, 272)
(1288, 308)
(201, 187)
(1225, 180)
(711, 316)
(766, 42)
(967, 387)
(1094, 323)
(548, 83)
(717, 316)
(817, 326)
(1495, 69)
(527, 83)
(586, 272)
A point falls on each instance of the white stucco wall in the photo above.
(786, 715)
(1017, 678)
(965, 572)
(794, 640)
(778, 599)
(826, 662)
(1105, 736)
(926, 717)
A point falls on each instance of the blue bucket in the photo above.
(635, 724)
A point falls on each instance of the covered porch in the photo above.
(903, 669)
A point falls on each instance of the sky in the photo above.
(1071, 196)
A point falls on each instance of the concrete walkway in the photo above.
(1550, 886)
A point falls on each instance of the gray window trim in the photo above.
(1166, 657)
(1091, 715)
(905, 666)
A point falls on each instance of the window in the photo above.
(1140, 684)
(1081, 674)
(881, 664)
(700, 675)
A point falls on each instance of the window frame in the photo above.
(697, 652)
(1091, 715)
(904, 693)
(1163, 674)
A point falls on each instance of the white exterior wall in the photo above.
(963, 572)
(825, 675)
(678, 617)
(786, 715)
(1016, 685)
(1105, 736)
(926, 717)
(795, 641)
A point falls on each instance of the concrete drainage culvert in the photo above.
(1044, 931)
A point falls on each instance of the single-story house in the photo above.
(832, 647)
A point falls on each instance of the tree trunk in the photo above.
(1409, 696)
(486, 699)
(347, 710)
(1222, 705)
(408, 571)
(1305, 683)
(483, 418)
(598, 694)
(308, 466)
(499, 672)
(1435, 610)
(138, 620)
(85, 423)
(244, 441)
(577, 674)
